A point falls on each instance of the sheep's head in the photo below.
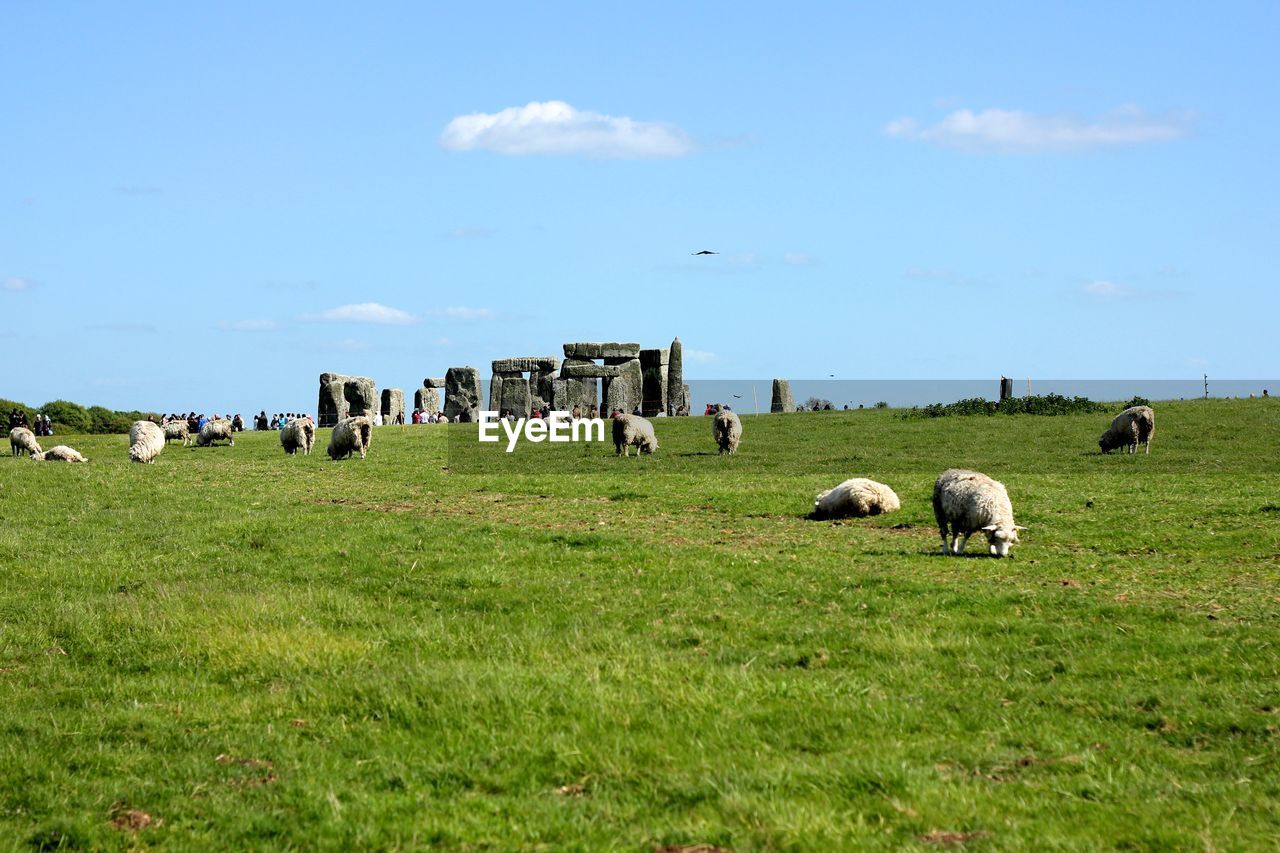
(1105, 442)
(1000, 538)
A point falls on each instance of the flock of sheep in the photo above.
(964, 502)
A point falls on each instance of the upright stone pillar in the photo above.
(782, 401)
(675, 379)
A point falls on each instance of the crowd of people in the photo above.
(277, 421)
(41, 426)
(195, 422)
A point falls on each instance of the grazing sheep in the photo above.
(351, 435)
(967, 502)
(1135, 425)
(146, 440)
(727, 430)
(298, 434)
(857, 498)
(177, 429)
(61, 453)
(23, 440)
(633, 430)
(215, 430)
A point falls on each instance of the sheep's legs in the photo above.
(961, 541)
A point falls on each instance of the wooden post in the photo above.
(1206, 386)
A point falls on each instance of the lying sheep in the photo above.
(23, 440)
(177, 429)
(298, 434)
(215, 430)
(966, 502)
(633, 430)
(1135, 425)
(857, 498)
(727, 430)
(146, 440)
(351, 435)
(61, 453)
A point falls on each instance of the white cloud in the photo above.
(461, 312)
(799, 259)
(554, 127)
(1013, 130)
(698, 356)
(15, 283)
(247, 325)
(1107, 290)
(365, 312)
(1110, 291)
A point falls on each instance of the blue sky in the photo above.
(208, 207)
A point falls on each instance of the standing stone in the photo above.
(675, 380)
(782, 401)
(653, 366)
(495, 393)
(344, 396)
(427, 401)
(515, 396)
(625, 391)
(462, 394)
(392, 405)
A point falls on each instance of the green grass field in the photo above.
(239, 649)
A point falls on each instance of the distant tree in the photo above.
(67, 417)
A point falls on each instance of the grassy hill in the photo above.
(241, 649)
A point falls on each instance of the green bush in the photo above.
(1035, 404)
(1137, 401)
(67, 417)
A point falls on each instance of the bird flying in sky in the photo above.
(706, 252)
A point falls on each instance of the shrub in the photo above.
(881, 405)
(1036, 404)
(1137, 401)
(67, 417)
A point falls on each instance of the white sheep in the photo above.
(1135, 425)
(298, 434)
(966, 502)
(146, 440)
(177, 429)
(727, 429)
(215, 430)
(61, 453)
(23, 440)
(633, 430)
(857, 497)
(351, 435)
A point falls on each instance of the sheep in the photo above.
(146, 440)
(177, 429)
(1135, 425)
(298, 434)
(351, 435)
(727, 429)
(967, 502)
(215, 430)
(633, 430)
(61, 453)
(23, 440)
(856, 497)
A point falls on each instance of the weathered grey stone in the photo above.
(427, 401)
(782, 401)
(626, 389)
(591, 370)
(567, 393)
(462, 394)
(345, 396)
(601, 350)
(540, 382)
(515, 396)
(495, 392)
(526, 365)
(392, 405)
(433, 382)
(675, 380)
(653, 367)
